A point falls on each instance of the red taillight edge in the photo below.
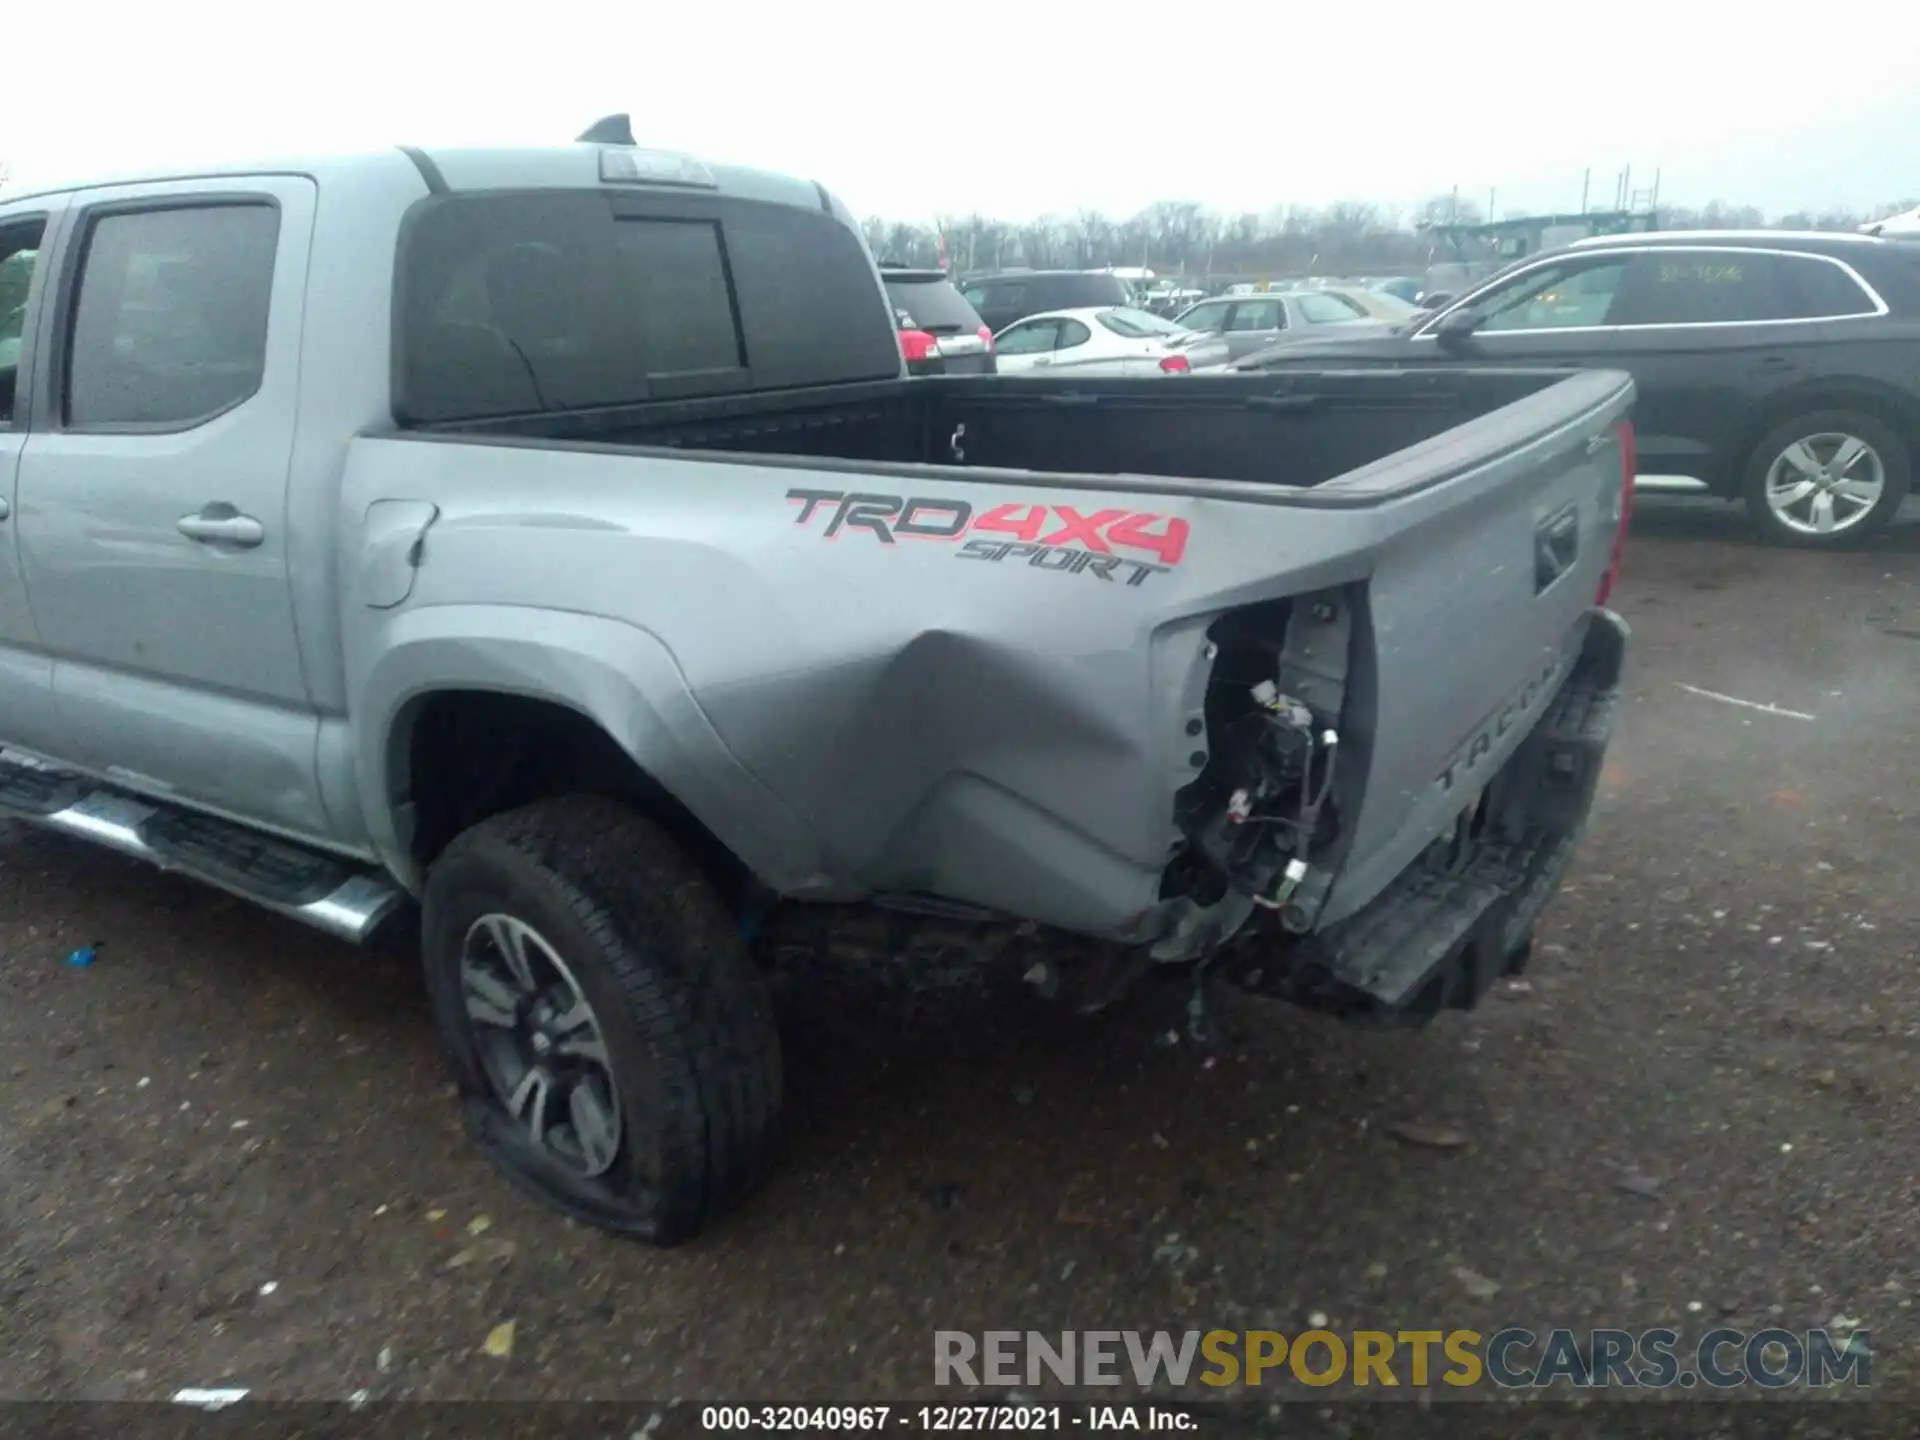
(1628, 462)
(917, 345)
(986, 337)
(1176, 365)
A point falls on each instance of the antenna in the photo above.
(609, 130)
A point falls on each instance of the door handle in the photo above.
(221, 524)
(1776, 363)
(5, 508)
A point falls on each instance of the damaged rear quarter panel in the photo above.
(1001, 715)
(1005, 731)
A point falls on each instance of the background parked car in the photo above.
(1253, 322)
(11, 325)
(1015, 294)
(1777, 368)
(1378, 304)
(1401, 287)
(1169, 300)
(940, 333)
(16, 270)
(1106, 340)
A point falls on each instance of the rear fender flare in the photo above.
(619, 676)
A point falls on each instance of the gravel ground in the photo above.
(228, 1155)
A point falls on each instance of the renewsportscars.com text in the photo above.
(1512, 1358)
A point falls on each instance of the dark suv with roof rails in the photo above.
(1776, 368)
(1011, 295)
(940, 333)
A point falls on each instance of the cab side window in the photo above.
(169, 323)
(19, 257)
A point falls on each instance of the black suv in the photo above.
(1777, 368)
(1015, 294)
(940, 333)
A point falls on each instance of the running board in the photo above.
(320, 890)
(1670, 484)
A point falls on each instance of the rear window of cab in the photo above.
(518, 303)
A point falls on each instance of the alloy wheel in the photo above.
(1825, 484)
(540, 1043)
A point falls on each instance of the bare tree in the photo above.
(1447, 210)
(1284, 242)
(1101, 233)
(1037, 243)
(909, 245)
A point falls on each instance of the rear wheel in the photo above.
(613, 1046)
(1827, 479)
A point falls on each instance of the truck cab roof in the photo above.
(579, 165)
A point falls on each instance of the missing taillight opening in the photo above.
(1176, 365)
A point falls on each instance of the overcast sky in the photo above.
(1040, 107)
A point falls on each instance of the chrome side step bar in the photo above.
(1670, 484)
(319, 890)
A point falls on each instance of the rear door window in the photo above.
(1001, 296)
(1031, 337)
(1257, 315)
(170, 322)
(1702, 287)
(1817, 288)
(1072, 333)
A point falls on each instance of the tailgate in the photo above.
(1478, 604)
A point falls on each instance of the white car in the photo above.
(1105, 340)
(1904, 226)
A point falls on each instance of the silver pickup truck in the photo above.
(547, 548)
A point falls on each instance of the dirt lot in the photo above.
(228, 1157)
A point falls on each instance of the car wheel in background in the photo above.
(1828, 478)
(613, 1046)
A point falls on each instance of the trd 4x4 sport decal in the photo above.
(1047, 537)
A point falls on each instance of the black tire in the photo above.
(1895, 457)
(691, 1046)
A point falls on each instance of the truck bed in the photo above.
(1297, 431)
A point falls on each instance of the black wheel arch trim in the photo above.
(1887, 403)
